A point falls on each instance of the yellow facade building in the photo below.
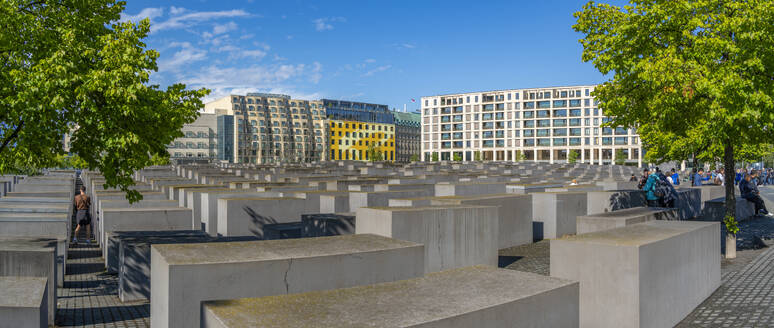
(351, 140)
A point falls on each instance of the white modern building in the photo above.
(543, 124)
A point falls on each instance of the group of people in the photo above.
(659, 188)
(660, 191)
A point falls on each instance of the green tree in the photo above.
(477, 156)
(572, 157)
(457, 158)
(415, 158)
(520, 157)
(620, 157)
(435, 156)
(72, 67)
(693, 70)
(374, 155)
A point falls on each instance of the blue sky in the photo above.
(385, 52)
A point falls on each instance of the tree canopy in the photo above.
(70, 66)
(691, 74)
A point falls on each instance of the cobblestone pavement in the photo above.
(90, 296)
(528, 258)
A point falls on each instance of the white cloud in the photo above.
(186, 55)
(192, 18)
(377, 70)
(150, 13)
(370, 60)
(255, 78)
(324, 24)
(316, 73)
(176, 10)
(408, 45)
(252, 53)
(223, 28)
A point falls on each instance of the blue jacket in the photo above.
(745, 189)
(650, 186)
(696, 179)
(676, 179)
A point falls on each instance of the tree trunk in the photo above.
(728, 163)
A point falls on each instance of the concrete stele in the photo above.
(184, 275)
(478, 296)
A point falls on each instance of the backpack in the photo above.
(661, 188)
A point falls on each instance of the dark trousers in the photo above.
(655, 203)
(759, 205)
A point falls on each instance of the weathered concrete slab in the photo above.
(514, 219)
(554, 214)
(208, 205)
(358, 199)
(649, 274)
(454, 235)
(622, 218)
(134, 260)
(468, 188)
(31, 257)
(23, 302)
(134, 219)
(715, 210)
(114, 238)
(688, 203)
(334, 203)
(614, 200)
(479, 296)
(264, 268)
(324, 224)
(247, 216)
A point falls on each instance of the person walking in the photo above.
(82, 205)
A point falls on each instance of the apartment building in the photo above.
(199, 140)
(408, 131)
(542, 124)
(270, 128)
(355, 127)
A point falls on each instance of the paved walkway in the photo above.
(90, 296)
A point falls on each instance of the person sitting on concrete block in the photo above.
(750, 192)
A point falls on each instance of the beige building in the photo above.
(270, 128)
(543, 124)
(199, 140)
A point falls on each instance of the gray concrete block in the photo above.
(134, 260)
(479, 296)
(32, 257)
(113, 245)
(264, 268)
(688, 203)
(23, 302)
(554, 214)
(621, 218)
(247, 216)
(614, 200)
(649, 274)
(322, 225)
(208, 205)
(139, 219)
(514, 226)
(454, 236)
(715, 209)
